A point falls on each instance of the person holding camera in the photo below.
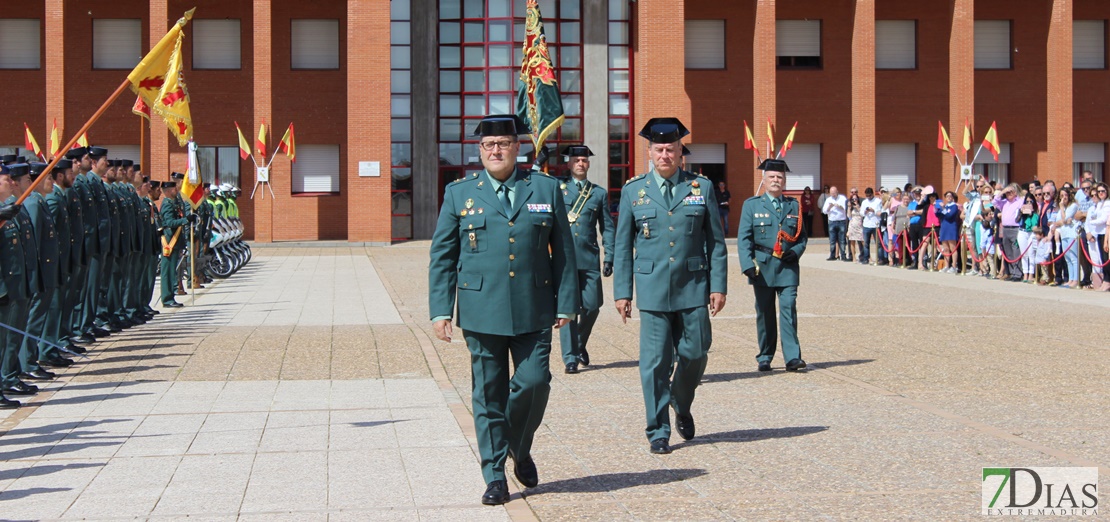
(1009, 203)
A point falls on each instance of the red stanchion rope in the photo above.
(888, 250)
(971, 250)
(1059, 257)
(1002, 253)
(1086, 253)
(924, 243)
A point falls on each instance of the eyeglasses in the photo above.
(1101, 191)
(493, 145)
(1088, 187)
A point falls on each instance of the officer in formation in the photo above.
(670, 245)
(216, 199)
(504, 251)
(200, 235)
(769, 241)
(173, 220)
(587, 210)
(232, 194)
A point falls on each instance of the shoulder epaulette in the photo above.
(635, 178)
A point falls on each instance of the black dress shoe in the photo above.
(38, 375)
(75, 349)
(114, 328)
(155, 312)
(85, 338)
(584, 358)
(173, 304)
(794, 365)
(685, 425)
(660, 447)
(764, 366)
(54, 360)
(21, 388)
(571, 368)
(497, 493)
(8, 404)
(831, 258)
(525, 471)
(98, 332)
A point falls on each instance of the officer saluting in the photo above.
(770, 240)
(587, 209)
(669, 241)
(503, 247)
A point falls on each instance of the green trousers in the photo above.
(663, 335)
(52, 329)
(10, 366)
(37, 314)
(507, 412)
(169, 276)
(766, 326)
(71, 305)
(90, 295)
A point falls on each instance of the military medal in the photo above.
(473, 241)
(572, 216)
(641, 193)
(647, 231)
(480, 210)
(469, 203)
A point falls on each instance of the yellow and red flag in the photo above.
(141, 108)
(967, 136)
(53, 142)
(260, 143)
(244, 147)
(537, 99)
(749, 141)
(990, 141)
(192, 188)
(770, 138)
(943, 143)
(786, 145)
(159, 82)
(287, 146)
(83, 141)
(29, 142)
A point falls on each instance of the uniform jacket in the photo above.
(505, 280)
(103, 220)
(59, 213)
(47, 238)
(173, 217)
(76, 211)
(12, 261)
(594, 214)
(30, 247)
(676, 256)
(760, 224)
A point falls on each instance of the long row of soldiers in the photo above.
(78, 259)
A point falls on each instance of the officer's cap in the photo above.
(169, 184)
(177, 175)
(577, 150)
(664, 130)
(3, 169)
(16, 170)
(213, 187)
(138, 167)
(501, 125)
(126, 163)
(9, 158)
(63, 164)
(76, 153)
(37, 168)
(685, 151)
(155, 184)
(775, 165)
(97, 152)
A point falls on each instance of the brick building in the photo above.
(385, 93)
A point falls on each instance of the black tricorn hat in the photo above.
(126, 163)
(63, 164)
(169, 184)
(664, 130)
(775, 165)
(97, 152)
(177, 175)
(155, 183)
(37, 168)
(685, 151)
(577, 150)
(138, 167)
(146, 179)
(8, 158)
(501, 125)
(16, 170)
(77, 153)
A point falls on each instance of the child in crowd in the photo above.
(986, 239)
(1040, 252)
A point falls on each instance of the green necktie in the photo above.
(579, 185)
(667, 193)
(775, 203)
(505, 200)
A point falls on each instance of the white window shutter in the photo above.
(117, 43)
(896, 164)
(987, 158)
(315, 44)
(316, 169)
(705, 44)
(992, 44)
(798, 38)
(895, 44)
(1088, 153)
(804, 160)
(1088, 44)
(20, 43)
(216, 44)
(706, 154)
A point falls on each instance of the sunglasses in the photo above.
(1101, 191)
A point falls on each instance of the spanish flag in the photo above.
(967, 136)
(53, 143)
(260, 143)
(770, 138)
(29, 142)
(943, 142)
(192, 188)
(287, 146)
(749, 141)
(83, 141)
(786, 145)
(990, 141)
(244, 147)
(158, 81)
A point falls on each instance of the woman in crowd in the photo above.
(984, 225)
(1029, 218)
(807, 203)
(855, 227)
(1097, 217)
(932, 228)
(899, 222)
(948, 214)
(1065, 227)
(916, 230)
(884, 221)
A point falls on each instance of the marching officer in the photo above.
(769, 241)
(587, 210)
(670, 243)
(502, 247)
(173, 223)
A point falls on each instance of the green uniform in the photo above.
(148, 257)
(28, 351)
(760, 223)
(173, 218)
(59, 213)
(232, 208)
(203, 229)
(14, 279)
(98, 242)
(511, 271)
(675, 254)
(78, 262)
(49, 275)
(590, 205)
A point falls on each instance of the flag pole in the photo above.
(84, 128)
(192, 264)
(142, 142)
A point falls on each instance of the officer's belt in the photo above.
(764, 249)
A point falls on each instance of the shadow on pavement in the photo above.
(614, 481)
(833, 364)
(753, 435)
(371, 424)
(615, 364)
(126, 369)
(13, 494)
(38, 471)
(726, 377)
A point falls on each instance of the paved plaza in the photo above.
(309, 387)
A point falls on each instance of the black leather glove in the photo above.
(192, 218)
(541, 157)
(9, 211)
(750, 273)
(789, 257)
(607, 269)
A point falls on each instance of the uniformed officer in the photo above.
(154, 255)
(669, 242)
(587, 210)
(173, 223)
(98, 238)
(503, 248)
(769, 241)
(31, 356)
(144, 276)
(14, 293)
(58, 207)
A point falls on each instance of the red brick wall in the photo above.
(368, 125)
(659, 68)
(19, 109)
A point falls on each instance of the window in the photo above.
(315, 44)
(895, 44)
(19, 43)
(896, 164)
(219, 165)
(216, 44)
(992, 44)
(798, 43)
(1088, 157)
(705, 44)
(620, 99)
(400, 61)
(128, 152)
(1088, 44)
(994, 170)
(805, 166)
(17, 150)
(117, 43)
(316, 169)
